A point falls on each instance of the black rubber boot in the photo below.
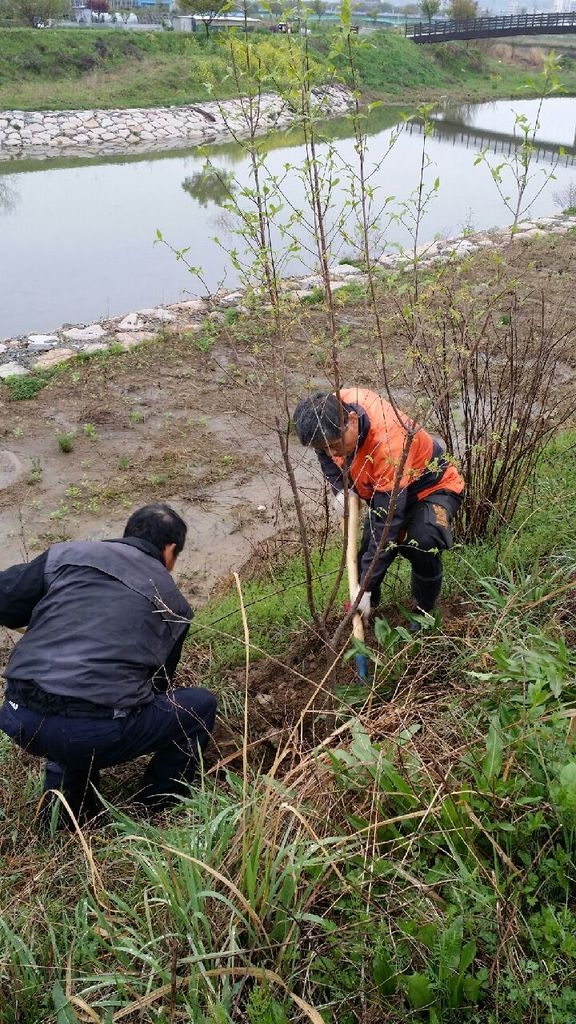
(425, 590)
(425, 593)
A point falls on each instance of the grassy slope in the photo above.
(470, 780)
(75, 68)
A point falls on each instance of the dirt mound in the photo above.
(528, 55)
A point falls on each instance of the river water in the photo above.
(78, 237)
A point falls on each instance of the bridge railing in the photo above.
(494, 25)
(472, 137)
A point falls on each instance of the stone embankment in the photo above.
(105, 132)
(37, 352)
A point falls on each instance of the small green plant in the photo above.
(123, 462)
(60, 513)
(188, 338)
(204, 341)
(344, 336)
(22, 388)
(450, 981)
(35, 474)
(66, 441)
(90, 430)
(135, 416)
(354, 291)
(263, 1008)
(315, 297)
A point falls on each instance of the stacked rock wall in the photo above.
(102, 132)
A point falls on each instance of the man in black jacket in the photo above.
(86, 685)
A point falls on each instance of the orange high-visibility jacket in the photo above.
(373, 467)
(375, 463)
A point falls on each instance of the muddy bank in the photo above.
(164, 421)
(25, 354)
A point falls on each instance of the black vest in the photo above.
(109, 618)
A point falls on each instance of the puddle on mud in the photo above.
(224, 528)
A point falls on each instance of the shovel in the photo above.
(352, 567)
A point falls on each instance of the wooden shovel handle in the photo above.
(352, 558)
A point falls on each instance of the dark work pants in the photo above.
(174, 727)
(427, 533)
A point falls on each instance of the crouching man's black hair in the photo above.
(159, 525)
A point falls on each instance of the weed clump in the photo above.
(22, 388)
(66, 442)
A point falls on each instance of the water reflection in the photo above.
(79, 245)
(526, 146)
(9, 197)
(555, 117)
(210, 185)
(459, 113)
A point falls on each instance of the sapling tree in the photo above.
(517, 170)
(410, 212)
(491, 372)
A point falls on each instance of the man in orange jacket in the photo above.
(358, 433)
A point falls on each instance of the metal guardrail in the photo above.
(481, 28)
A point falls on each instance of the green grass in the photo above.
(369, 878)
(73, 68)
(22, 388)
(275, 606)
(69, 68)
(388, 62)
(80, 69)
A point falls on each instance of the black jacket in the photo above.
(103, 617)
